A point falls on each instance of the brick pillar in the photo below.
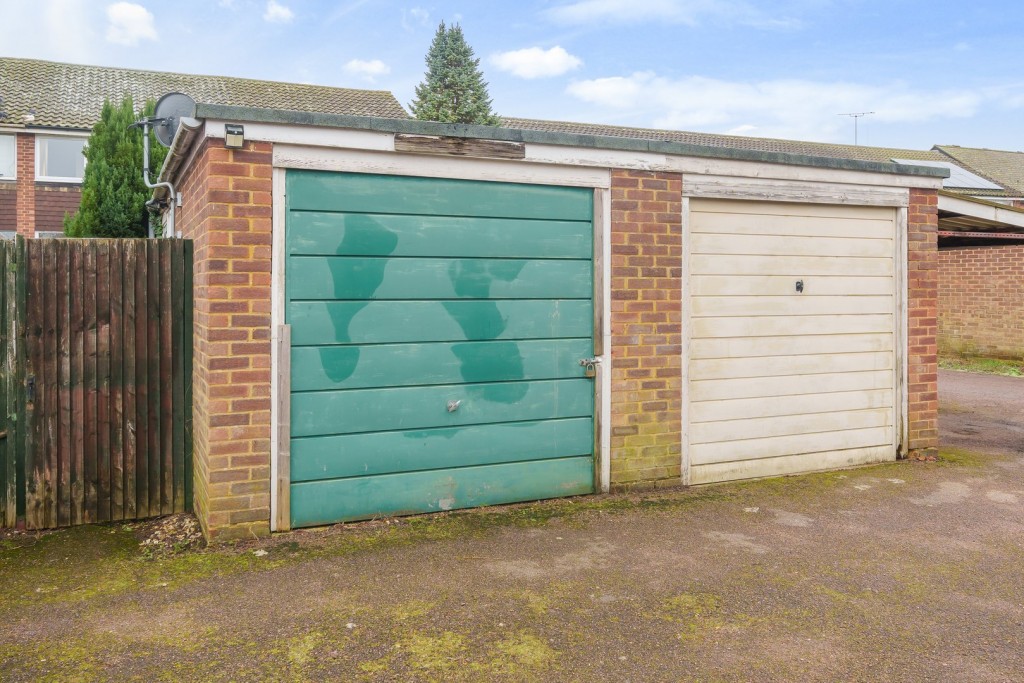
(646, 321)
(26, 184)
(922, 306)
(227, 211)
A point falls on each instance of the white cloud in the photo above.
(688, 12)
(129, 23)
(345, 9)
(796, 109)
(277, 13)
(415, 18)
(367, 69)
(61, 30)
(533, 62)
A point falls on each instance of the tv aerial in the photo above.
(856, 116)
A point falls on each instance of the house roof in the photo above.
(813, 149)
(70, 96)
(1001, 167)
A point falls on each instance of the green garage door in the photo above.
(437, 328)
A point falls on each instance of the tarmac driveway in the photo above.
(903, 572)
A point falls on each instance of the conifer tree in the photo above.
(113, 193)
(453, 89)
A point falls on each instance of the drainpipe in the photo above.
(163, 188)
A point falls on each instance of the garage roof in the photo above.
(639, 143)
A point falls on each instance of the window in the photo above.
(60, 158)
(8, 165)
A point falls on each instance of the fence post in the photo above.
(8, 457)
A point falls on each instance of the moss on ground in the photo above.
(104, 560)
(959, 457)
(989, 366)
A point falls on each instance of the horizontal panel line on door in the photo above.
(789, 455)
(739, 409)
(714, 231)
(413, 343)
(382, 452)
(586, 415)
(780, 356)
(442, 300)
(794, 435)
(430, 430)
(803, 295)
(790, 444)
(366, 410)
(454, 468)
(439, 257)
(784, 316)
(440, 385)
(794, 425)
(417, 214)
(811, 392)
(733, 389)
(837, 257)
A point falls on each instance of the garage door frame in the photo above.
(765, 190)
(358, 161)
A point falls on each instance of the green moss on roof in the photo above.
(70, 96)
(814, 149)
(1001, 167)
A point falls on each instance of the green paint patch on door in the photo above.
(437, 327)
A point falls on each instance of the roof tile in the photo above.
(71, 96)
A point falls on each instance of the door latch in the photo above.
(590, 366)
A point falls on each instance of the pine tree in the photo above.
(113, 193)
(453, 89)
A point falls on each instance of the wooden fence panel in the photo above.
(95, 380)
(8, 365)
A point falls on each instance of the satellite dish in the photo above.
(169, 110)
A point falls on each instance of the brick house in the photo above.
(981, 262)
(47, 110)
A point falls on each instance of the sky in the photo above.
(929, 71)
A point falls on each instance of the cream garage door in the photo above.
(781, 380)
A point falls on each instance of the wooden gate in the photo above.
(95, 380)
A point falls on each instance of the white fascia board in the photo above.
(437, 166)
(557, 155)
(987, 212)
(646, 161)
(310, 136)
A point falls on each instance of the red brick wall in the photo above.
(922, 307)
(227, 211)
(8, 206)
(53, 201)
(26, 151)
(646, 321)
(981, 301)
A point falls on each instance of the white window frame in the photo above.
(56, 134)
(14, 148)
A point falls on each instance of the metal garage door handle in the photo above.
(454, 405)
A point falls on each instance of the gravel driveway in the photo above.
(903, 572)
